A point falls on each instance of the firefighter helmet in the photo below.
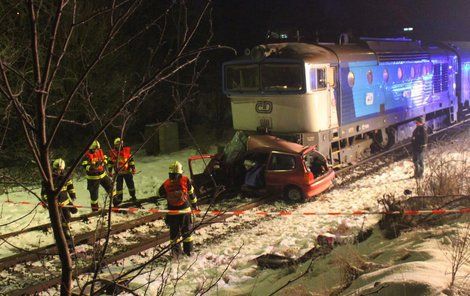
(176, 168)
(58, 164)
(95, 145)
(117, 142)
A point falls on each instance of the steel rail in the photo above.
(46, 226)
(342, 171)
(132, 250)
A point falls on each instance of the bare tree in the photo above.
(43, 87)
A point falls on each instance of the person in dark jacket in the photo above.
(65, 197)
(179, 193)
(418, 144)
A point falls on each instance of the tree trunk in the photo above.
(62, 247)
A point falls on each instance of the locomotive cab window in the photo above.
(317, 78)
(267, 77)
(282, 77)
(242, 78)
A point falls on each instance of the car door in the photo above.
(281, 170)
(200, 169)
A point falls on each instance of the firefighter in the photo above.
(122, 161)
(179, 193)
(95, 166)
(65, 197)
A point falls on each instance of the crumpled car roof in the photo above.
(270, 143)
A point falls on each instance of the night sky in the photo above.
(244, 23)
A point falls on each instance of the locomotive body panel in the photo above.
(283, 114)
(352, 96)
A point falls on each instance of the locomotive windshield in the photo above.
(242, 77)
(274, 77)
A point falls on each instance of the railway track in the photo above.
(360, 169)
(88, 237)
(47, 226)
(396, 153)
(130, 250)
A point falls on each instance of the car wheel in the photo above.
(294, 194)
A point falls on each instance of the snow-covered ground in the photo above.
(152, 171)
(289, 236)
(229, 248)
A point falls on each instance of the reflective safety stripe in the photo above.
(175, 241)
(191, 190)
(194, 200)
(71, 190)
(65, 202)
(180, 212)
(188, 239)
(96, 177)
(87, 168)
(131, 189)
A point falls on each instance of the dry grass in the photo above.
(447, 170)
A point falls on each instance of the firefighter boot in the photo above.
(133, 198)
(187, 248)
(136, 201)
(117, 199)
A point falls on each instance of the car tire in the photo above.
(294, 194)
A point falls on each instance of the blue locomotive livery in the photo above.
(349, 99)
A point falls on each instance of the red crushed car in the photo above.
(265, 164)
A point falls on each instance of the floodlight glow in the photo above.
(408, 29)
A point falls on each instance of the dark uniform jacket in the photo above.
(179, 194)
(66, 193)
(419, 139)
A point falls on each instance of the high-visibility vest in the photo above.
(177, 191)
(96, 157)
(122, 160)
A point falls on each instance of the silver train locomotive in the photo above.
(350, 99)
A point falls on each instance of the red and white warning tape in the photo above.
(266, 213)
